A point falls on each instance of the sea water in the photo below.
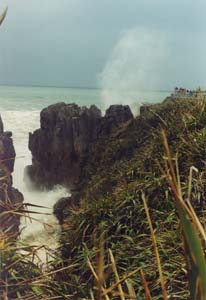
(20, 110)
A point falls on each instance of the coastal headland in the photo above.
(108, 162)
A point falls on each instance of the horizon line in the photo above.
(51, 86)
(72, 87)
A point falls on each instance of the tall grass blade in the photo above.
(132, 294)
(145, 285)
(192, 229)
(154, 242)
(3, 15)
(114, 268)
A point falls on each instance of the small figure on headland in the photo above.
(182, 93)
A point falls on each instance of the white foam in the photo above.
(43, 232)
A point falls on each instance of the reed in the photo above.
(194, 235)
(116, 246)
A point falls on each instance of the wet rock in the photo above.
(119, 114)
(143, 109)
(11, 198)
(115, 115)
(61, 146)
(62, 208)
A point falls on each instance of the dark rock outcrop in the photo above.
(11, 198)
(61, 146)
(63, 207)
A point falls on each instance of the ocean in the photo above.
(20, 110)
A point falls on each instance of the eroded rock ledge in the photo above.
(11, 198)
(61, 146)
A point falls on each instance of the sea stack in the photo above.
(61, 146)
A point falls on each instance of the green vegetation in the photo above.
(22, 275)
(126, 164)
(136, 234)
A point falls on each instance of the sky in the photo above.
(98, 43)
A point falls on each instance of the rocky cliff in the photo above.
(61, 146)
(11, 198)
(121, 167)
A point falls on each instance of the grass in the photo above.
(194, 234)
(22, 274)
(132, 161)
(116, 246)
(194, 238)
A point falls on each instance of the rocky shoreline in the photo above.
(11, 199)
(61, 146)
(67, 148)
(108, 162)
(111, 161)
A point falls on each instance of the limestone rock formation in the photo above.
(11, 198)
(115, 115)
(61, 146)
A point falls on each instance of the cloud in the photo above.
(68, 42)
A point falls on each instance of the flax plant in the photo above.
(194, 235)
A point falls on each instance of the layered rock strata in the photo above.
(10, 198)
(61, 146)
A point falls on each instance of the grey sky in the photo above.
(68, 42)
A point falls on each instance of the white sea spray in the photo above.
(20, 110)
(44, 231)
(136, 66)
